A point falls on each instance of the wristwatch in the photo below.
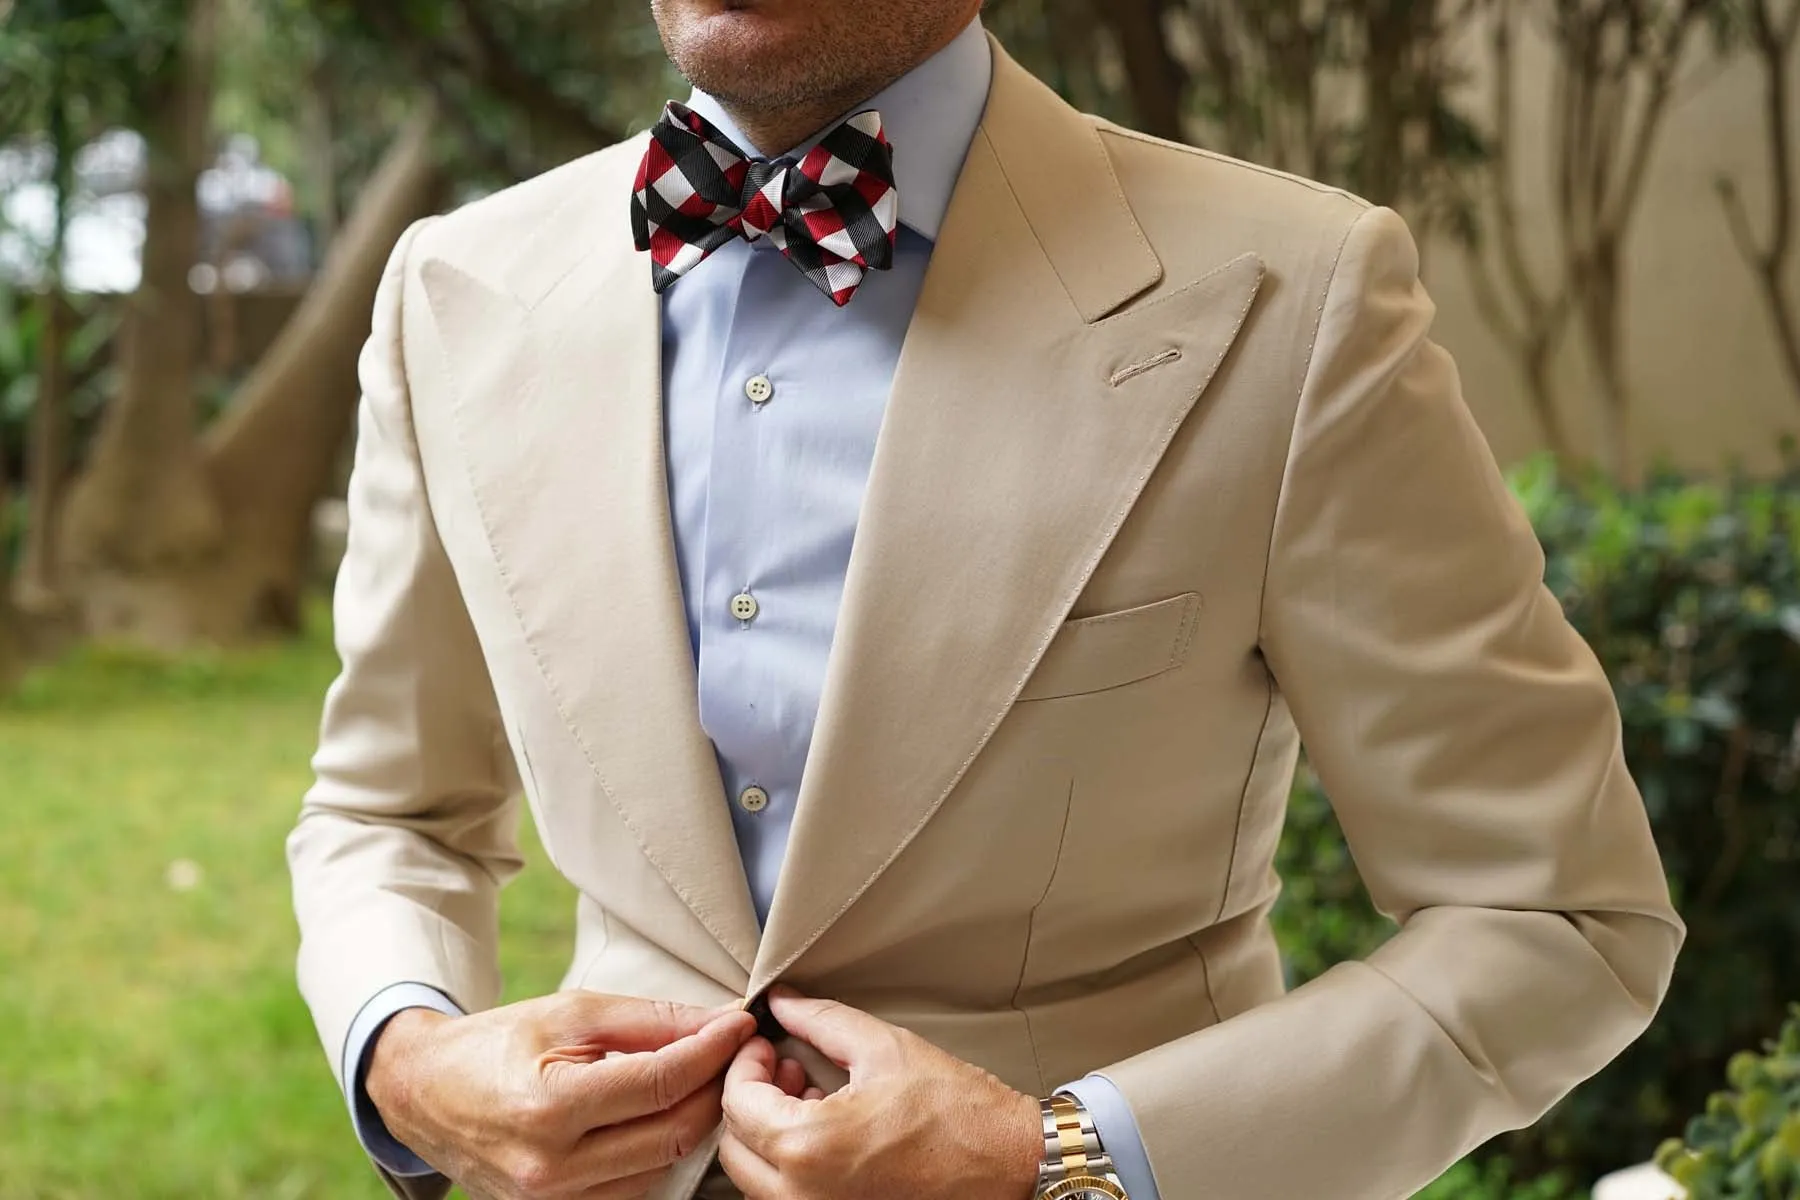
(1075, 1166)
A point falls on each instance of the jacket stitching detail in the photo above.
(1312, 348)
(1030, 925)
(1237, 828)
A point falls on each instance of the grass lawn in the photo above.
(151, 1040)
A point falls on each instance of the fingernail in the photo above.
(785, 992)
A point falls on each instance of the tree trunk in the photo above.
(1774, 36)
(1385, 27)
(1603, 319)
(318, 140)
(1540, 388)
(12, 654)
(1778, 40)
(272, 455)
(1786, 322)
(1157, 80)
(181, 538)
(37, 587)
(143, 506)
(9, 647)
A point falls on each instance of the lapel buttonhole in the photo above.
(1149, 364)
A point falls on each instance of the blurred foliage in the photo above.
(323, 84)
(525, 84)
(1370, 95)
(91, 378)
(111, 53)
(1493, 1178)
(1324, 916)
(1746, 1145)
(1689, 592)
(1067, 45)
(21, 336)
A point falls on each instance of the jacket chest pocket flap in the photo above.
(1092, 654)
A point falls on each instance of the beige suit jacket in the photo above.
(1171, 479)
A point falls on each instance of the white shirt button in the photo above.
(744, 606)
(759, 389)
(753, 799)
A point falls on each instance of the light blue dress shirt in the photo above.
(773, 400)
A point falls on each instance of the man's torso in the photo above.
(1038, 815)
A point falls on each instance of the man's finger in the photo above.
(627, 1022)
(847, 1036)
(748, 1170)
(649, 1143)
(755, 1062)
(757, 1112)
(790, 1077)
(628, 1086)
(634, 1188)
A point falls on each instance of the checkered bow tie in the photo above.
(834, 213)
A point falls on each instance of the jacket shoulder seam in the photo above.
(1226, 160)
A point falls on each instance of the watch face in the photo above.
(1085, 1187)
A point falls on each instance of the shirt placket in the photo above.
(738, 667)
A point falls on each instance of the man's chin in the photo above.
(746, 57)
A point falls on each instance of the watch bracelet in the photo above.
(1073, 1115)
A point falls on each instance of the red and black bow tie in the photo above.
(834, 213)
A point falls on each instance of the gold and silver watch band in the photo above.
(1071, 1143)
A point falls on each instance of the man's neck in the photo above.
(776, 131)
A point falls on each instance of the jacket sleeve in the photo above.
(409, 831)
(1470, 745)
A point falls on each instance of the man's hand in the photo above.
(912, 1123)
(523, 1101)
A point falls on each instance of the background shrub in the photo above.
(1746, 1145)
(1689, 593)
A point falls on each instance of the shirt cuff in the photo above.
(1118, 1130)
(371, 1131)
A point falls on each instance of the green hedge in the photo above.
(1746, 1145)
(1689, 592)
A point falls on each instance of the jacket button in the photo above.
(766, 1024)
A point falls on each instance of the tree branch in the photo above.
(490, 66)
(1156, 80)
(501, 73)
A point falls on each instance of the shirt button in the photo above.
(759, 389)
(753, 799)
(744, 606)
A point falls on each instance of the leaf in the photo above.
(1743, 1071)
(1773, 1164)
(1715, 711)
(1682, 736)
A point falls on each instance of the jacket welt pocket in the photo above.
(1092, 654)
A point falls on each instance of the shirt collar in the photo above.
(930, 114)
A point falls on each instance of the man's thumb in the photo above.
(849, 1037)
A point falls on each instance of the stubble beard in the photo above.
(817, 75)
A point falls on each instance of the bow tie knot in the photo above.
(764, 197)
(834, 213)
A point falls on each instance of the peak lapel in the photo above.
(558, 411)
(1021, 429)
